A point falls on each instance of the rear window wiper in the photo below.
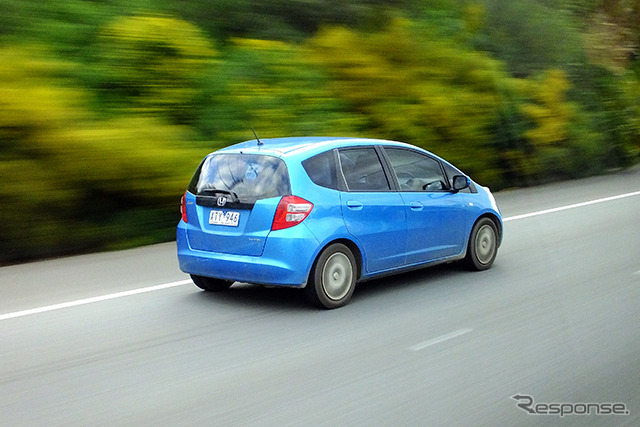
(214, 198)
(233, 196)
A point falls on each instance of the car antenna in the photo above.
(257, 139)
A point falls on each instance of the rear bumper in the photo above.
(285, 261)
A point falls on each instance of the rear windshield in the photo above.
(250, 176)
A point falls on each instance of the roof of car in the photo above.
(290, 146)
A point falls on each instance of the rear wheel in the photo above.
(211, 285)
(483, 245)
(333, 277)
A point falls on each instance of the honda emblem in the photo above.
(222, 201)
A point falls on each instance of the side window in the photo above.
(416, 171)
(322, 170)
(451, 172)
(362, 170)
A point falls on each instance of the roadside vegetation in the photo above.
(106, 107)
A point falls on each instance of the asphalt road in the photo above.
(557, 318)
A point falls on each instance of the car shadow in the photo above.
(245, 295)
(424, 277)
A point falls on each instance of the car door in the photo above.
(435, 215)
(373, 213)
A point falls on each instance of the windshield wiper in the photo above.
(214, 191)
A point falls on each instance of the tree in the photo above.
(530, 37)
(71, 182)
(273, 87)
(153, 65)
(549, 111)
(435, 93)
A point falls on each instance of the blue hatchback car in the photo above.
(324, 213)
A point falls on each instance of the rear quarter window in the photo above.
(322, 169)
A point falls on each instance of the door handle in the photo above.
(416, 206)
(355, 205)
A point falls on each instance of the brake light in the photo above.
(183, 207)
(292, 210)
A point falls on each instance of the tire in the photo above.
(209, 284)
(483, 245)
(333, 277)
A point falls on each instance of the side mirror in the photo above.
(460, 182)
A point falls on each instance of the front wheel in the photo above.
(483, 245)
(333, 277)
(209, 284)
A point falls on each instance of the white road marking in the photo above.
(438, 340)
(576, 205)
(92, 300)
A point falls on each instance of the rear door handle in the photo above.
(355, 205)
(416, 206)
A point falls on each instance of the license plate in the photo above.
(228, 218)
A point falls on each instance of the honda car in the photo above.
(324, 213)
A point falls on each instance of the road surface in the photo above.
(122, 338)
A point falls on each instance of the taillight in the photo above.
(292, 210)
(183, 207)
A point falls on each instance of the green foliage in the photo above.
(550, 113)
(434, 93)
(286, 20)
(610, 102)
(151, 65)
(273, 87)
(70, 182)
(529, 36)
(106, 107)
(550, 136)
